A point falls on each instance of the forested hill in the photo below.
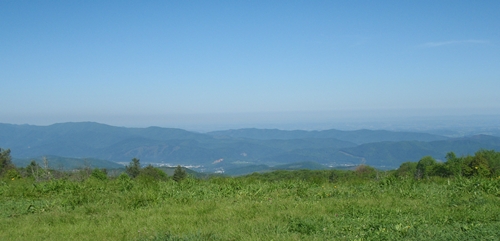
(82, 138)
(357, 137)
(223, 150)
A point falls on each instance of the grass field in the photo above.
(246, 208)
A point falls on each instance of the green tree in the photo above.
(407, 169)
(467, 166)
(454, 164)
(493, 159)
(134, 169)
(179, 174)
(425, 167)
(439, 169)
(479, 165)
(151, 173)
(5, 161)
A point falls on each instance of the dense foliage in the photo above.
(485, 163)
(359, 204)
(5, 161)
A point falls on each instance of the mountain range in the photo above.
(223, 151)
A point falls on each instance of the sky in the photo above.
(216, 64)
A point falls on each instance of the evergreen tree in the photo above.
(5, 161)
(179, 174)
(134, 169)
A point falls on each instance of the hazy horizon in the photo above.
(209, 65)
(293, 121)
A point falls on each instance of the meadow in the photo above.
(301, 205)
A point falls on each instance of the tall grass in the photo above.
(250, 209)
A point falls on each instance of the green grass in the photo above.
(250, 209)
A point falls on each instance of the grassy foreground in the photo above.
(250, 209)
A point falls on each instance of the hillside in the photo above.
(232, 149)
(391, 154)
(357, 137)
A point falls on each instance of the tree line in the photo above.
(43, 173)
(484, 163)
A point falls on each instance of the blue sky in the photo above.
(194, 63)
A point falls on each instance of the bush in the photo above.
(5, 161)
(151, 173)
(99, 174)
(425, 167)
(365, 171)
(407, 169)
(32, 170)
(12, 174)
(125, 182)
(479, 166)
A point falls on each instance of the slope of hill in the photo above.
(83, 139)
(358, 137)
(392, 154)
(225, 150)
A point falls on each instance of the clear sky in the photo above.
(189, 63)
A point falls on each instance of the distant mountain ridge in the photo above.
(79, 139)
(357, 136)
(224, 150)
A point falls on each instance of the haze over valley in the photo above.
(234, 152)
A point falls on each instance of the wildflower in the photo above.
(13, 179)
(476, 167)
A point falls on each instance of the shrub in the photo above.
(151, 173)
(5, 161)
(479, 166)
(99, 174)
(33, 170)
(425, 167)
(125, 182)
(12, 174)
(407, 169)
(365, 171)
